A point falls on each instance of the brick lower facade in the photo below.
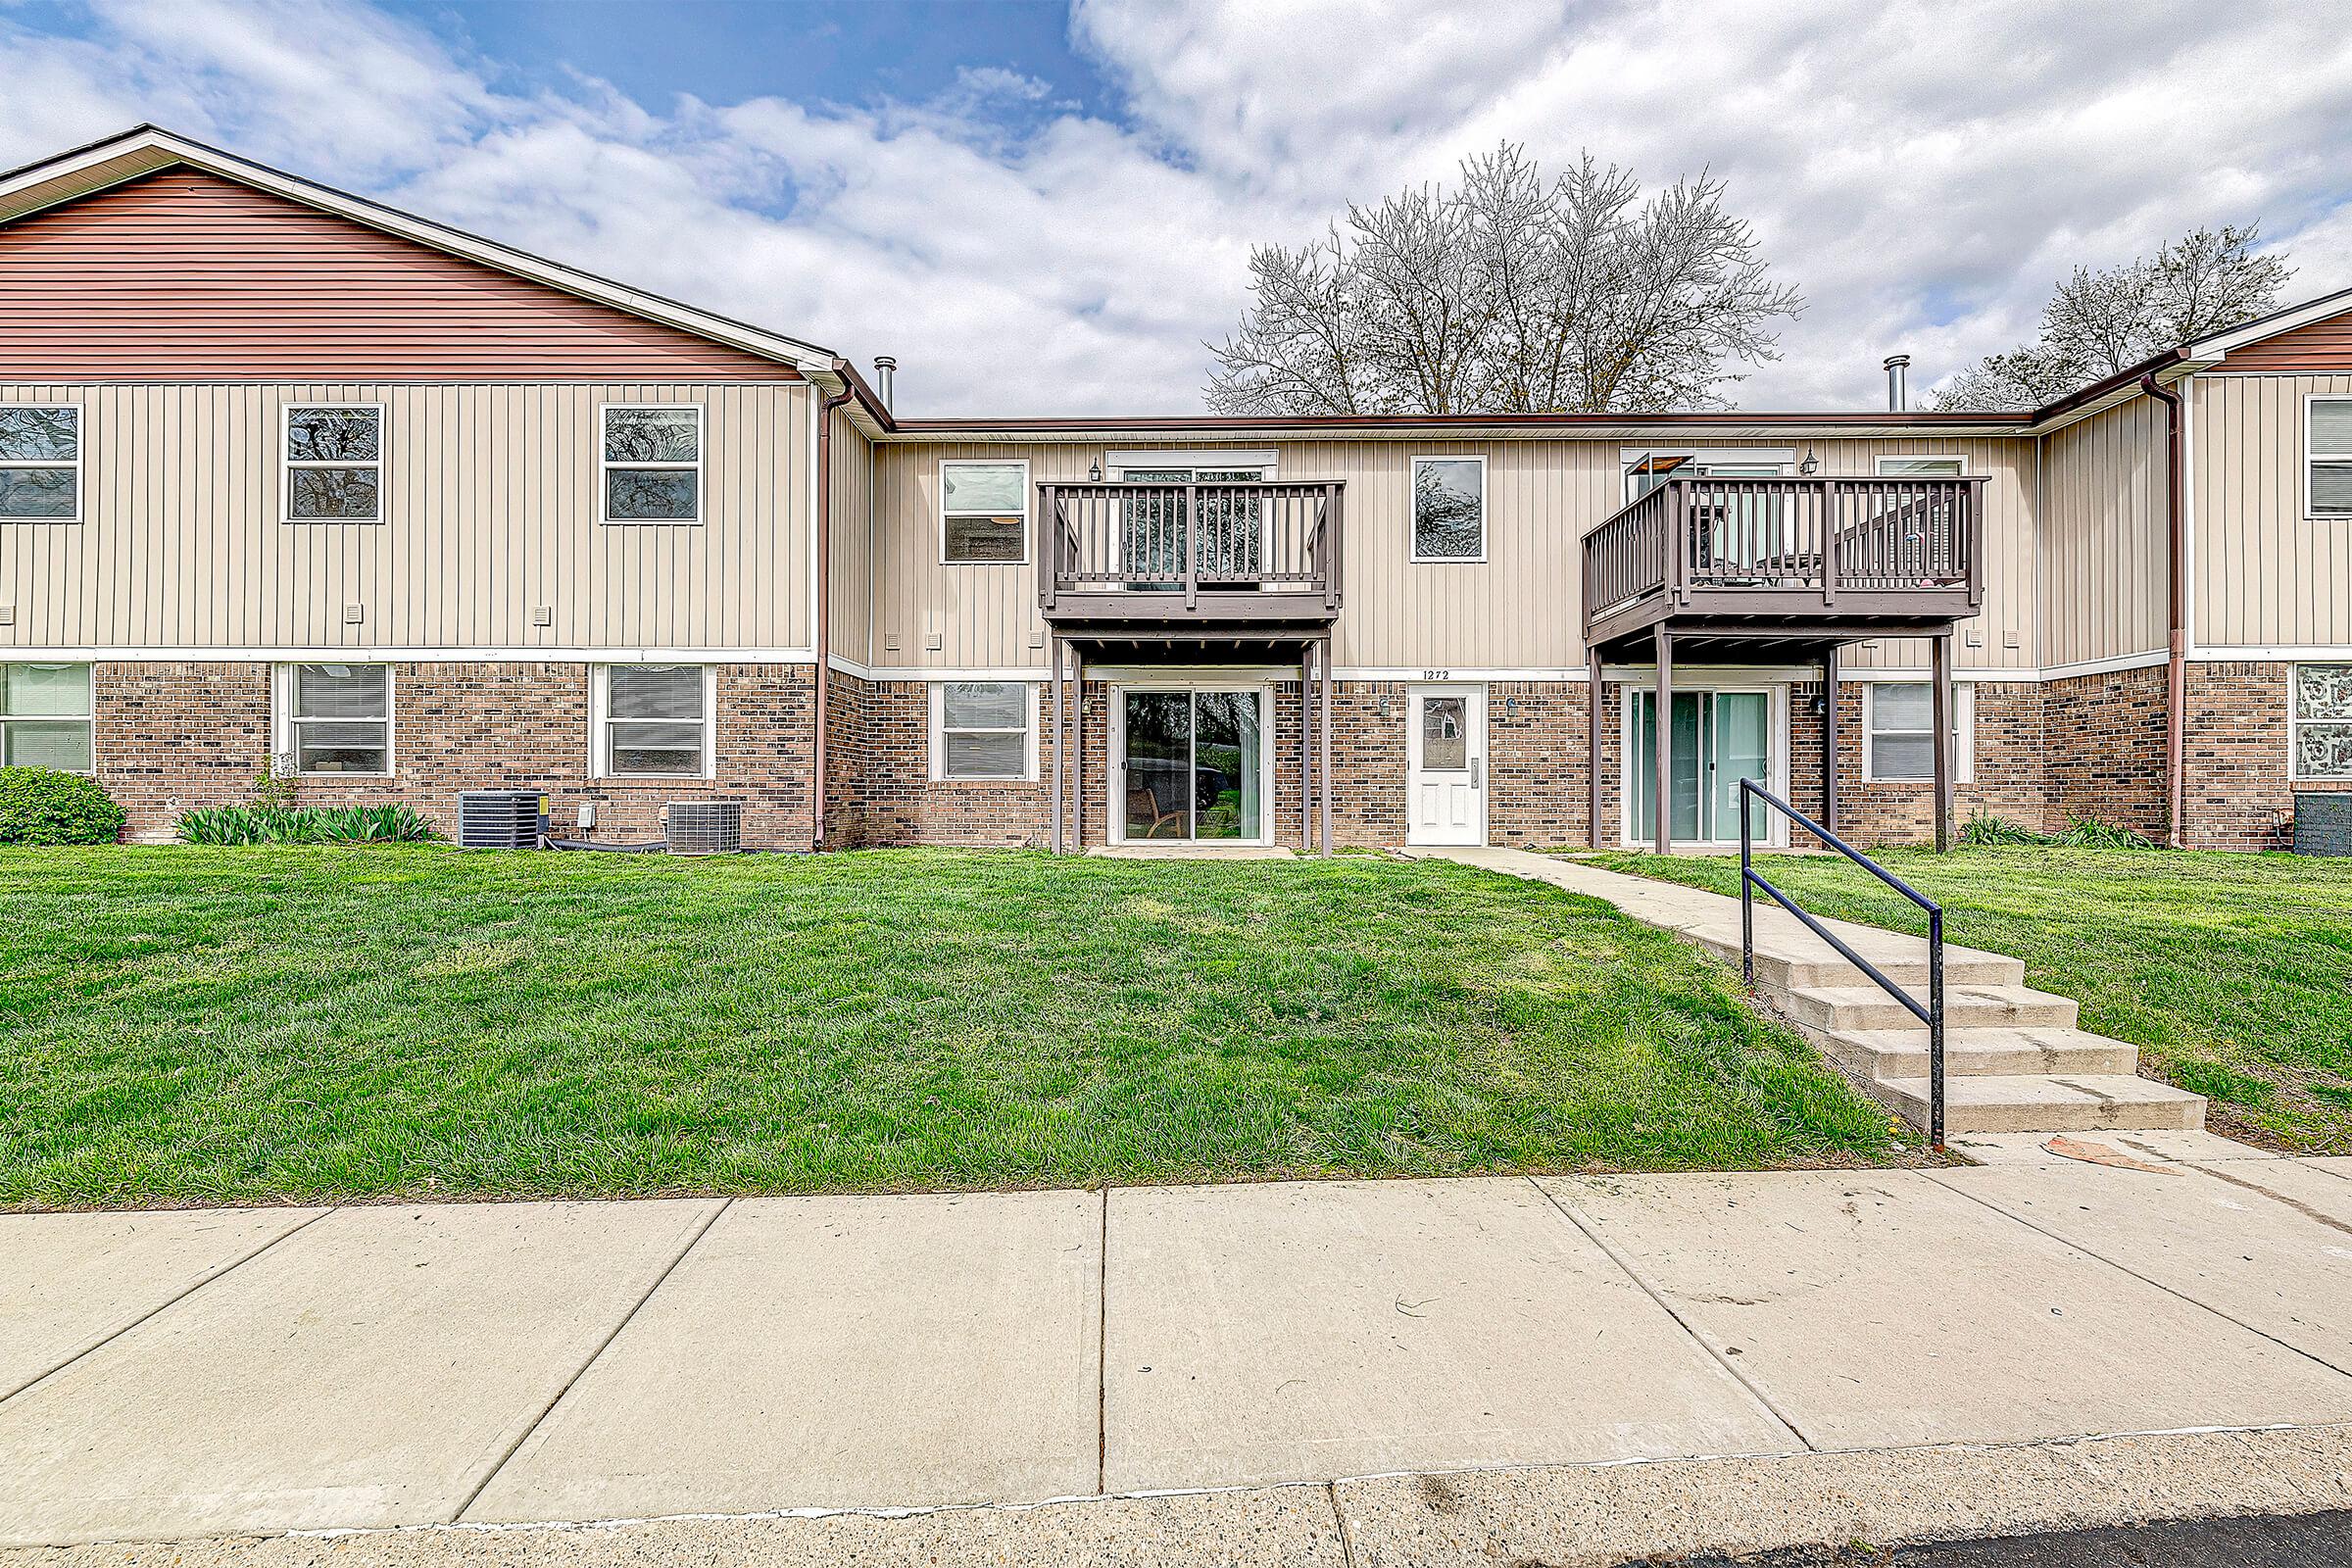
(171, 735)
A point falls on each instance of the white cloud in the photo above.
(1923, 172)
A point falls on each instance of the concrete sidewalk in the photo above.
(200, 1373)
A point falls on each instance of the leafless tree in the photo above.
(1509, 293)
(2104, 320)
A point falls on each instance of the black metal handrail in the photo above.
(1750, 879)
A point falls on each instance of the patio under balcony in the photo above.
(1754, 569)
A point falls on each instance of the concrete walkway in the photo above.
(198, 1373)
(2016, 1059)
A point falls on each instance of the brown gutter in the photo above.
(824, 580)
(2175, 659)
(1314, 423)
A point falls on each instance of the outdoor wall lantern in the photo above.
(1093, 473)
(1811, 466)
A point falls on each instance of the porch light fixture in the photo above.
(1811, 466)
(1093, 472)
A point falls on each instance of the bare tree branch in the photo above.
(2100, 323)
(1509, 294)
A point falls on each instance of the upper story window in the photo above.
(2328, 457)
(45, 716)
(336, 718)
(1899, 731)
(654, 722)
(1449, 509)
(650, 465)
(335, 460)
(983, 514)
(40, 463)
(1919, 467)
(2320, 722)
(981, 729)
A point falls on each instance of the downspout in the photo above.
(2175, 659)
(824, 582)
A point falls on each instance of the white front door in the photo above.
(1447, 776)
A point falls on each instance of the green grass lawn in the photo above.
(2232, 973)
(189, 1025)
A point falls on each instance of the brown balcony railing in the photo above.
(1224, 546)
(1796, 538)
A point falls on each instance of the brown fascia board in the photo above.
(1309, 426)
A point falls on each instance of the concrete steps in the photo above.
(2015, 1059)
(2060, 1102)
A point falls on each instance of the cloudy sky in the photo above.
(1043, 208)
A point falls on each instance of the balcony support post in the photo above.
(1662, 752)
(1593, 744)
(1078, 754)
(1941, 644)
(1828, 737)
(1053, 653)
(1323, 751)
(1306, 747)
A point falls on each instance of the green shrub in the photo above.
(304, 824)
(43, 806)
(2082, 833)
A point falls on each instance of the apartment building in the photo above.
(291, 479)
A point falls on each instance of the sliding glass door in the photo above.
(1193, 765)
(1716, 739)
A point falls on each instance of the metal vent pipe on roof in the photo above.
(1898, 391)
(884, 366)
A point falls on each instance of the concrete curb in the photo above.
(1571, 1516)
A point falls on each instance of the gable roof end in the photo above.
(143, 150)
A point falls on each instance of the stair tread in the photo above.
(1953, 990)
(2047, 1088)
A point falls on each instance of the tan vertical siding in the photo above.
(2104, 535)
(1520, 609)
(490, 504)
(851, 573)
(2264, 575)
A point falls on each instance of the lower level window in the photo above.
(45, 716)
(2320, 723)
(980, 729)
(1899, 731)
(655, 721)
(338, 718)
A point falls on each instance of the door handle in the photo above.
(1477, 772)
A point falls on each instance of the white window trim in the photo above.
(939, 735)
(1117, 809)
(605, 464)
(600, 734)
(1119, 461)
(1027, 506)
(82, 450)
(1412, 521)
(2295, 723)
(2310, 457)
(1964, 719)
(89, 713)
(1959, 463)
(282, 727)
(286, 465)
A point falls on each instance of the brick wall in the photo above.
(171, 736)
(2106, 751)
(2239, 793)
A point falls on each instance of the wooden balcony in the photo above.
(1788, 562)
(1245, 561)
